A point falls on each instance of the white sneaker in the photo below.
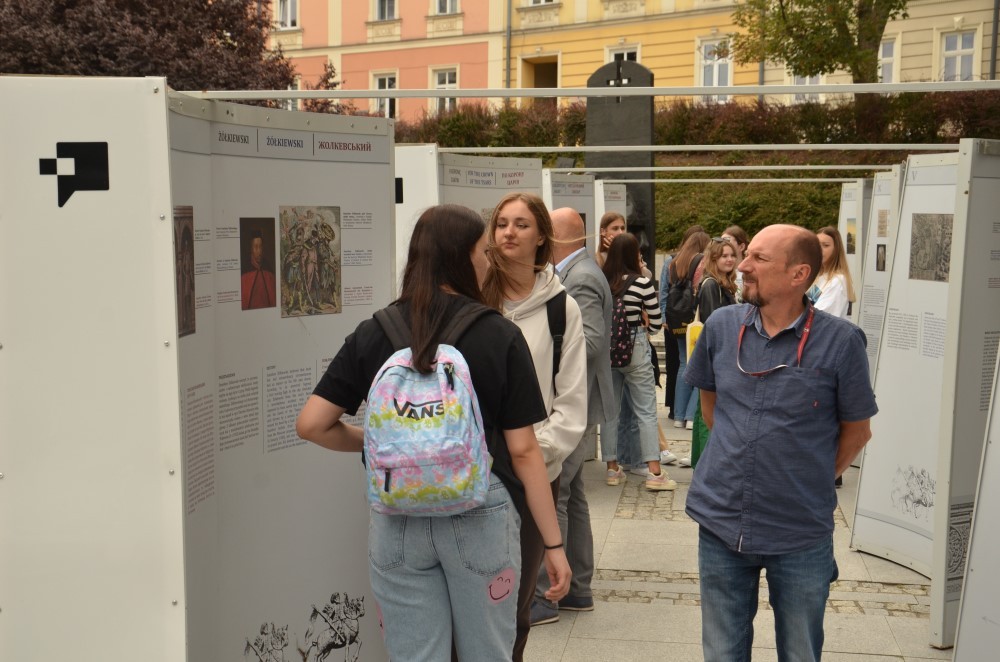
(689, 425)
(615, 477)
(678, 423)
(684, 462)
(666, 457)
(660, 483)
(640, 470)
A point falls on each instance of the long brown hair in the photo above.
(681, 263)
(740, 235)
(715, 250)
(622, 261)
(838, 261)
(439, 257)
(498, 279)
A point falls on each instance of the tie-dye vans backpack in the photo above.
(425, 445)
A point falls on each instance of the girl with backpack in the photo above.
(520, 283)
(635, 295)
(459, 573)
(681, 274)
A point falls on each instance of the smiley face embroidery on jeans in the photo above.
(501, 586)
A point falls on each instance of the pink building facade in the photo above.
(395, 44)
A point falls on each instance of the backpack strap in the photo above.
(693, 268)
(395, 327)
(556, 310)
(462, 320)
(398, 331)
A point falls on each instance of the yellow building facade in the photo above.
(683, 42)
(456, 44)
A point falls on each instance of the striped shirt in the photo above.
(642, 295)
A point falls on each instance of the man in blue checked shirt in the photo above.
(785, 391)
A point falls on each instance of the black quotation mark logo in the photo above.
(90, 170)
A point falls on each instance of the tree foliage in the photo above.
(813, 37)
(328, 81)
(196, 44)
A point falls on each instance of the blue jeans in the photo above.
(628, 433)
(435, 578)
(686, 399)
(798, 583)
(637, 379)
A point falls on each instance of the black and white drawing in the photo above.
(269, 645)
(336, 625)
(912, 493)
(930, 247)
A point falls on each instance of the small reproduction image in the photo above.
(879, 257)
(257, 282)
(184, 268)
(311, 282)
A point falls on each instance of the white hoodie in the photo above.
(566, 399)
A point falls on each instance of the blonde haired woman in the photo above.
(520, 282)
(833, 290)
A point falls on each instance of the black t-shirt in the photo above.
(502, 374)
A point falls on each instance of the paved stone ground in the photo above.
(647, 595)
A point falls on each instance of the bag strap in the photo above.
(628, 283)
(398, 331)
(462, 320)
(395, 327)
(693, 267)
(555, 308)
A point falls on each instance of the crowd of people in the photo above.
(778, 380)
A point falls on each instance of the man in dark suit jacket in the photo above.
(585, 282)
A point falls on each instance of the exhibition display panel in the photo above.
(942, 322)
(880, 248)
(182, 272)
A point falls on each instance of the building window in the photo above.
(541, 2)
(886, 60)
(385, 10)
(622, 53)
(286, 13)
(385, 107)
(715, 69)
(447, 6)
(802, 97)
(446, 79)
(957, 51)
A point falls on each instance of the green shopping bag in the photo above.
(699, 437)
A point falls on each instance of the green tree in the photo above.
(813, 37)
(196, 44)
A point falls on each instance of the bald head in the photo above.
(801, 247)
(568, 232)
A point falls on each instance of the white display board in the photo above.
(880, 248)
(276, 528)
(478, 182)
(91, 497)
(942, 324)
(978, 636)
(852, 221)
(574, 191)
(417, 171)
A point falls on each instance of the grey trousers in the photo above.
(574, 522)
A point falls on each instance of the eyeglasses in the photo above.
(802, 344)
(718, 240)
